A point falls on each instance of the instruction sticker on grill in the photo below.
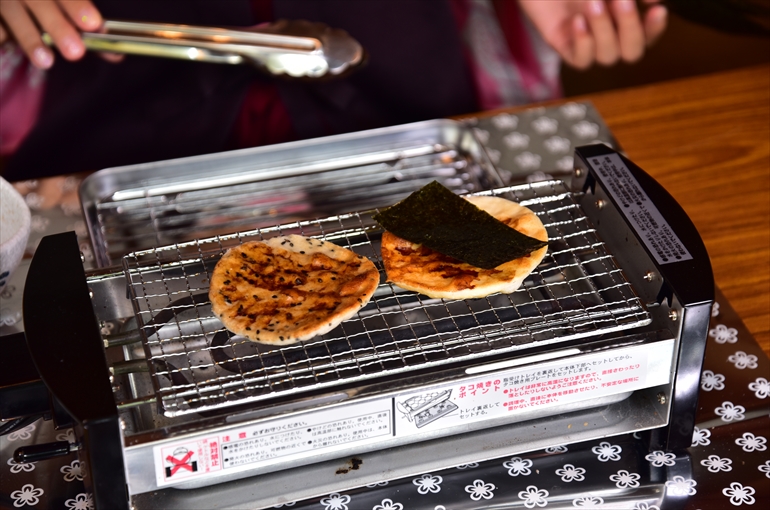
(510, 393)
(244, 448)
(637, 207)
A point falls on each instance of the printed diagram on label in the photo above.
(426, 408)
(181, 459)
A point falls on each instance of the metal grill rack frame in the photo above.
(138, 207)
(197, 365)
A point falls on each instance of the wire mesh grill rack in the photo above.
(197, 365)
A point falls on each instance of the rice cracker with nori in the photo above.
(437, 218)
(414, 266)
(288, 289)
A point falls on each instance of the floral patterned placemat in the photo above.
(727, 465)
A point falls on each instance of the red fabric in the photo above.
(519, 44)
(461, 11)
(21, 94)
(263, 118)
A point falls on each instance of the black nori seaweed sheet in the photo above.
(437, 218)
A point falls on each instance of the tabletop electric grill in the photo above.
(605, 337)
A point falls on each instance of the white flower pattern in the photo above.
(570, 473)
(518, 466)
(585, 129)
(573, 111)
(72, 471)
(606, 451)
(516, 140)
(715, 463)
(388, 504)
(760, 387)
(481, 134)
(742, 360)
(68, 435)
(587, 502)
(494, 155)
(428, 483)
(680, 486)
(479, 489)
(730, 412)
(557, 145)
(722, 334)
(22, 434)
(19, 467)
(750, 443)
(538, 176)
(533, 497)
(643, 505)
(82, 501)
(700, 437)
(528, 161)
(505, 121)
(715, 309)
(336, 501)
(740, 494)
(659, 458)
(545, 125)
(556, 449)
(765, 468)
(624, 480)
(565, 163)
(39, 223)
(27, 495)
(711, 381)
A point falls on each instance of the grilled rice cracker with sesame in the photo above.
(421, 269)
(288, 289)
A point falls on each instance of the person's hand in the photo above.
(24, 20)
(585, 32)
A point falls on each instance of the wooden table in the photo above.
(707, 141)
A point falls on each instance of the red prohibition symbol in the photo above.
(180, 464)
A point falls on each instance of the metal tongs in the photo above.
(293, 48)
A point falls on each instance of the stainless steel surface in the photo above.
(522, 427)
(197, 365)
(141, 206)
(570, 424)
(294, 48)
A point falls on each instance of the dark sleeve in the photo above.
(415, 70)
(96, 114)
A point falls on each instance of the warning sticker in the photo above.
(272, 442)
(512, 391)
(187, 460)
(637, 207)
(239, 449)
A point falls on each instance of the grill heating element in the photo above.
(197, 365)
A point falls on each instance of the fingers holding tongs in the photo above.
(291, 48)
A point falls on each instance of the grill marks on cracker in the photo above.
(289, 288)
